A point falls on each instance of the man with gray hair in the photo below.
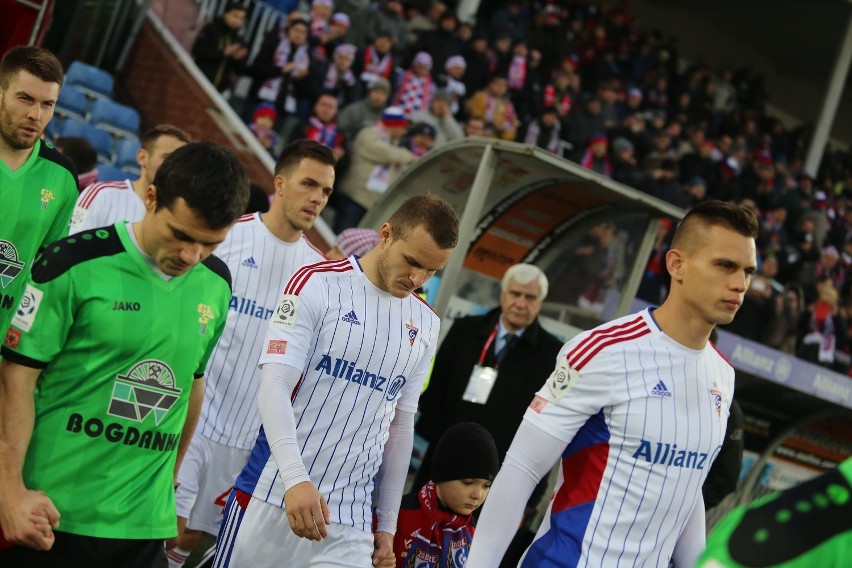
(489, 367)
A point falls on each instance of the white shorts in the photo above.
(258, 535)
(205, 479)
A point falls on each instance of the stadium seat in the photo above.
(55, 126)
(73, 103)
(125, 156)
(118, 119)
(94, 82)
(100, 140)
(110, 173)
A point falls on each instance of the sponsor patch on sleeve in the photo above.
(561, 380)
(13, 338)
(276, 347)
(27, 308)
(538, 403)
(286, 312)
(78, 216)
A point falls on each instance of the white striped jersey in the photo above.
(643, 418)
(259, 262)
(105, 203)
(364, 353)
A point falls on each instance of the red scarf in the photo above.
(517, 72)
(443, 538)
(377, 64)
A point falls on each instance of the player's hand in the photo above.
(383, 550)
(307, 511)
(28, 518)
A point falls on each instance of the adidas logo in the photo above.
(351, 318)
(249, 262)
(660, 390)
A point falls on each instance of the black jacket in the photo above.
(208, 52)
(522, 373)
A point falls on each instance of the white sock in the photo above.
(177, 556)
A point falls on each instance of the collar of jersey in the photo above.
(7, 171)
(138, 259)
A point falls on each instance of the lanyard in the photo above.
(488, 343)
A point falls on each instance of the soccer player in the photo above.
(342, 364)
(38, 185)
(261, 251)
(637, 410)
(108, 202)
(101, 379)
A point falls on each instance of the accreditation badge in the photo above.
(480, 384)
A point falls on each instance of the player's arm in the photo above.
(692, 540)
(89, 216)
(531, 455)
(307, 510)
(196, 397)
(390, 481)
(59, 226)
(26, 517)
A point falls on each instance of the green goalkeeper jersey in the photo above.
(119, 347)
(806, 526)
(36, 200)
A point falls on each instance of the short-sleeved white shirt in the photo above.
(643, 417)
(260, 264)
(106, 203)
(364, 353)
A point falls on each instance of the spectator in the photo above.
(545, 131)
(493, 106)
(337, 78)
(474, 127)
(440, 118)
(320, 16)
(453, 82)
(415, 87)
(376, 161)
(822, 328)
(322, 126)
(478, 63)
(262, 126)
(442, 42)
(365, 112)
(596, 158)
(624, 166)
(436, 520)
(584, 122)
(375, 61)
(282, 67)
(338, 29)
(420, 139)
(783, 334)
(386, 17)
(559, 94)
(219, 50)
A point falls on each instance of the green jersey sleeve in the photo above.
(806, 526)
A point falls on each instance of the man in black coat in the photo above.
(219, 50)
(480, 342)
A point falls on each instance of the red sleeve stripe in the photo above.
(722, 355)
(296, 389)
(246, 217)
(93, 190)
(590, 343)
(619, 339)
(298, 281)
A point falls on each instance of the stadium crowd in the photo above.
(577, 79)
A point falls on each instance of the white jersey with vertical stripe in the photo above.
(363, 354)
(259, 263)
(106, 203)
(643, 417)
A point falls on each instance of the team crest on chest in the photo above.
(10, 266)
(716, 398)
(412, 331)
(46, 197)
(205, 314)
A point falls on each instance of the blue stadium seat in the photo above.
(55, 126)
(115, 118)
(100, 140)
(92, 81)
(110, 173)
(125, 156)
(73, 103)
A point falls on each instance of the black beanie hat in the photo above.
(465, 451)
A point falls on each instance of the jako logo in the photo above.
(343, 369)
(669, 455)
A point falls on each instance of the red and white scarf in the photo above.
(415, 93)
(325, 134)
(377, 65)
(517, 72)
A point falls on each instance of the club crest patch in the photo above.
(561, 380)
(412, 331)
(716, 398)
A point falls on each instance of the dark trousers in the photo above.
(76, 551)
(347, 213)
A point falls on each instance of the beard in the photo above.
(9, 132)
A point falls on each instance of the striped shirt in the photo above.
(105, 203)
(363, 353)
(643, 418)
(259, 262)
